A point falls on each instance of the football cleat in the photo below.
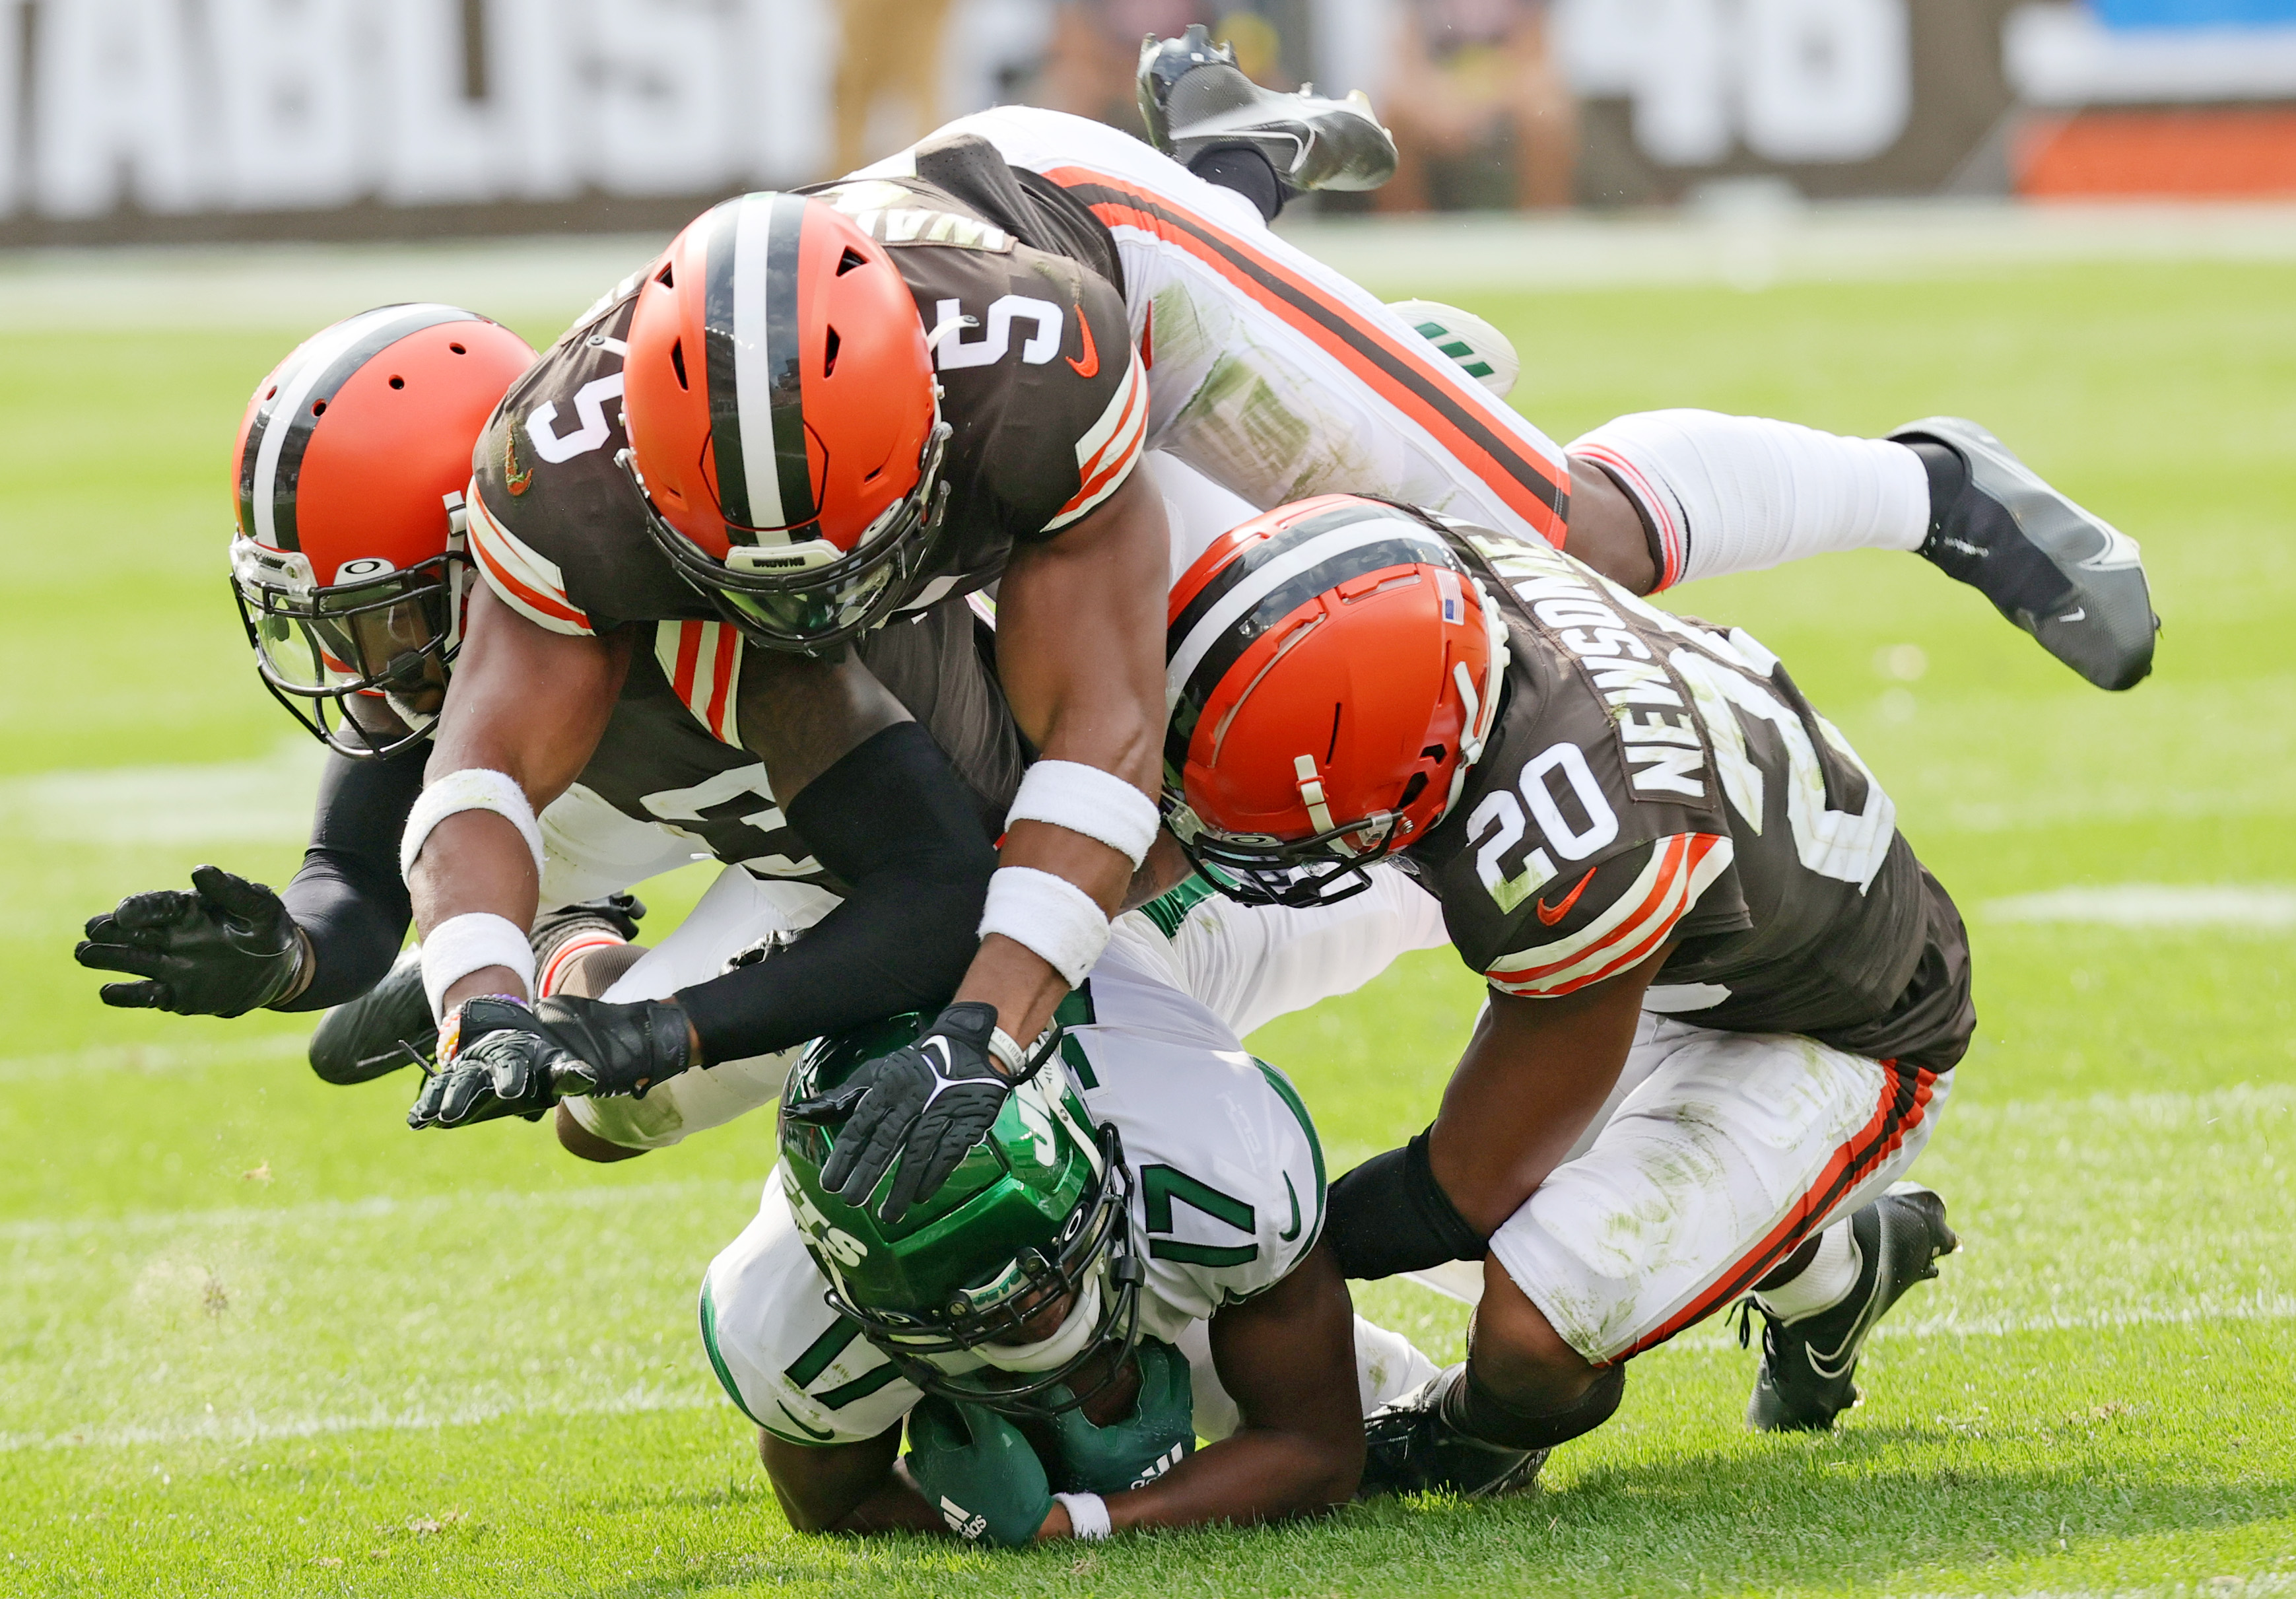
(1195, 98)
(2074, 582)
(1411, 1447)
(1808, 1363)
(388, 1027)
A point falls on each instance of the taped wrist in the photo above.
(1049, 916)
(1390, 1215)
(473, 788)
(461, 944)
(1087, 1514)
(1085, 799)
(1474, 1409)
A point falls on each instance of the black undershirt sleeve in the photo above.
(348, 898)
(893, 819)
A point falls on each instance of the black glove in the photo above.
(510, 1060)
(226, 947)
(929, 1104)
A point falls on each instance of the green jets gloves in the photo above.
(974, 1466)
(1132, 1453)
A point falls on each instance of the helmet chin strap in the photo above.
(1076, 1335)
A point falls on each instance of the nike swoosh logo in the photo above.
(1551, 915)
(1294, 1194)
(2074, 615)
(1089, 368)
(801, 1427)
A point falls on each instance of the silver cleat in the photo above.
(2072, 581)
(1194, 98)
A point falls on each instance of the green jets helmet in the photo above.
(1040, 1208)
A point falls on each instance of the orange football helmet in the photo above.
(348, 564)
(1333, 670)
(785, 421)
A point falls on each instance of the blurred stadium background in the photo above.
(259, 1339)
(180, 120)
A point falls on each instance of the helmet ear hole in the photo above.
(666, 277)
(829, 360)
(678, 364)
(851, 258)
(1412, 791)
(1432, 752)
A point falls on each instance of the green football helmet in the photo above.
(1040, 1208)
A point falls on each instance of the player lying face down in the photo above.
(1725, 1001)
(1129, 1260)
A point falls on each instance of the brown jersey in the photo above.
(1046, 399)
(672, 752)
(1651, 777)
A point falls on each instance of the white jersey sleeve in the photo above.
(1248, 964)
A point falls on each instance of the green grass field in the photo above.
(258, 1337)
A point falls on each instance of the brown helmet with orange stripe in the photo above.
(348, 563)
(1333, 672)
(784, 421)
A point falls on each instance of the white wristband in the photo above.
(1087, 1514)
(1047, 914)
(461, 944)
(1085, 799)
(474, 788)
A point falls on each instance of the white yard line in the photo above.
(222, 1430)
(266, 800)
(152, 1058)
(320, 1213)
(2230, 907)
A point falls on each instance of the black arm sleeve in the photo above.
(893, 819)
(348, 898)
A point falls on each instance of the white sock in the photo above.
(1737, 493)
(1822, 1285)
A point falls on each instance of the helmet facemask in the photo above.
(362, 662)
(1300, 873)
(1095, 1269)
(808, 596)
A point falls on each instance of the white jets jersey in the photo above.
(1228, 1199)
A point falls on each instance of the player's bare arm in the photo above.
(846, 1487)
(1530, 1080)
(1080, 649)
(1288, 1357)
(874, 798)
(530, 704)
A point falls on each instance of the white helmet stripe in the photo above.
(753, 363)
(305, 374)
(1240, 600)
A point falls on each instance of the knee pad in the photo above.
(1390, 1215)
